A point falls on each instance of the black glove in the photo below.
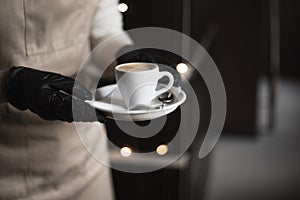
(49, 95)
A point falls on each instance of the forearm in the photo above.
(107, 37)
(107, 34)
(107, 21)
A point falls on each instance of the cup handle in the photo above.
(170, 84)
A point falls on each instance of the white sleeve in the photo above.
(107, 37)
(108, 22)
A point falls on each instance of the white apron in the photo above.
(40, 159)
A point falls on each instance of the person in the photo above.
(42, 44)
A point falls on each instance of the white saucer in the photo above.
(108, 100)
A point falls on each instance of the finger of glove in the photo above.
(60, 106)
(70, 86)
(53, 105)
(101, 117)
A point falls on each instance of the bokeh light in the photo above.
(182, 68)
(122, 7)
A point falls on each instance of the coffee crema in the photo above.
(136, 67)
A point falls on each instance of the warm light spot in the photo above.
(125, 151)
(182, 68)
(162, 149)
(122, 7)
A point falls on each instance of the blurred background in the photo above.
(255, 44)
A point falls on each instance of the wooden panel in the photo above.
(232, 33)
(290, 41)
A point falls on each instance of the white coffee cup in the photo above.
(137, 83)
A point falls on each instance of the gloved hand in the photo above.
(49, 95)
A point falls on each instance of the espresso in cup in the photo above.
(135, 67)
(137, 83)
